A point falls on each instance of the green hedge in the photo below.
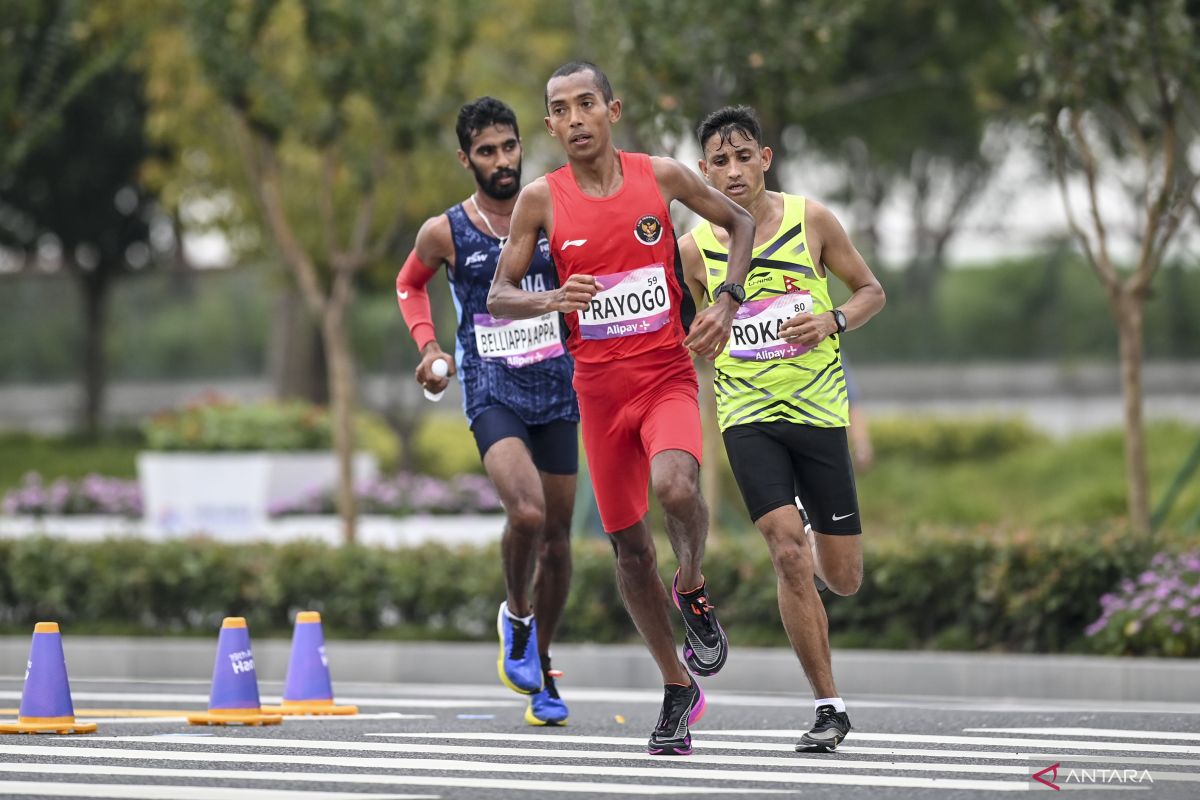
(1024, 591)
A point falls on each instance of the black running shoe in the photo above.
(705, 646)
(682, 706)
(827, 733)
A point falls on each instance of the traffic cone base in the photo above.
(35, 725)
(316, 707)
(46, 697)
(234, 716)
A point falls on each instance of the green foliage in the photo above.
(216, 425)
(938, 440)
(982, 588)
(444, 446)
(114, 455)
(1077, 481)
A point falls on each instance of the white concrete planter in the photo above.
(373, 530)
(231, 493)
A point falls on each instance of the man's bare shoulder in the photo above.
(435, 241)
(533, 204)
(666, 167)
(818, 213)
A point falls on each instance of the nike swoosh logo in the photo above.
(836, 518)
(402, 295)
(572, 243)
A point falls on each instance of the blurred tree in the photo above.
(42, 70)
(672, 65)
(908, 109)
(899, 95)
(1117, 85)
(327, 101)
(72, 198)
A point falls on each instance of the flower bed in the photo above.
(1157, 614)
(403, 494)
(397, 495)
(93, 494)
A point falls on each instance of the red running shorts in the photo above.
(631, 410)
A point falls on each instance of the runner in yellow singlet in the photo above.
(781, 390)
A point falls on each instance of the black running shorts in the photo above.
(553, 446)
(774, 462)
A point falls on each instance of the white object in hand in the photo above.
(440, 369)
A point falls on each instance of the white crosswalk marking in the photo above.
(124, 791)
(387, 755)
(1102, 733)
(990, 741)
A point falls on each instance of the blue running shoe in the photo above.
(546, 707)
(519, 665)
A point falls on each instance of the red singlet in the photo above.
(636, 384)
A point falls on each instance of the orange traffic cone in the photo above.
(46, 699)
(234, 697)
(308, 689)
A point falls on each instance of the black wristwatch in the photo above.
(735, 291)
(840, 319)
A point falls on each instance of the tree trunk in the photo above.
(342, 405)
(1130, 331)
(94, 369)
(296, 353)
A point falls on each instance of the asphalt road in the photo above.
(471, 742)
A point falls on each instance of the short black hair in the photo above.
(481, 114)
(725, 122)
(571, 67)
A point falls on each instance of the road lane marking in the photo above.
(127, 791)
(705, 775)
(91, 770)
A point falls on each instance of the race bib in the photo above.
(755, 332)
(629, 303)
(518, 342)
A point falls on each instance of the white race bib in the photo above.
(629, 303)
(519, 342)
(755, 332)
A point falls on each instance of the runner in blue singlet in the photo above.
(517, 396)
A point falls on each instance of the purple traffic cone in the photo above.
(308, 689)
(46, 699)
(234, 697)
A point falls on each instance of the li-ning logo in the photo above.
(648, 229)
(573, 243)
(1049, 776)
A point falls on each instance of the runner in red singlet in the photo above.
(607, 216)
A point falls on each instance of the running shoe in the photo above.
(519, 665)
(705, 647)
(546, 707)
(682, 707)
(827, 733)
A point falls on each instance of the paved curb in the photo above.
(858, 672)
